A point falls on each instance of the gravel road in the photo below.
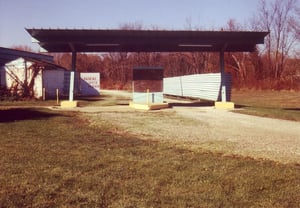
(207, 128)
(250, 135)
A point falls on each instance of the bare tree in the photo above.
(295, 24)
(237, 60)
(276, 17)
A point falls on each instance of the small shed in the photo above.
(24, 73)
(34, 74)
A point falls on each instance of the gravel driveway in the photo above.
(207, 128)
(250, 135)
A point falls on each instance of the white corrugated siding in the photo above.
(172, 86)
(52, 80)
(203, 86)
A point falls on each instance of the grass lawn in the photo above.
(273, 104)
(28, 103)
(56, 159)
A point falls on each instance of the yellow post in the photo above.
(44, 93)
(147, 96)
(57, 96)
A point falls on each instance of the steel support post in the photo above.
(222, 69)
(72, 75)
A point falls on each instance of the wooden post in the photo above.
(147, 96)
(57, 96)
(44, 94)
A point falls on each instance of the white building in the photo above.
(36, 75)
(29, 73)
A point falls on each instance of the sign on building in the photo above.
(90, 84)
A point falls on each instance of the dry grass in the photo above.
(61, 160)
(273, 104)
(276, 99)
(107, 98)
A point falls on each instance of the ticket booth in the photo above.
(147, 88)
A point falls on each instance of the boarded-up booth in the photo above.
(147, 88)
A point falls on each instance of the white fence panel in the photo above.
(172, 86)
(203, 86)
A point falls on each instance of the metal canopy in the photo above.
(7, 55)
(78, 40)
(68, 40)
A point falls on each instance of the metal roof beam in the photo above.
(56, 40)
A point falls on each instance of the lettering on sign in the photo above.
(90, 83)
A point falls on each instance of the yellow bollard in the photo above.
(147, 96)
(44, 94)
(57, 96)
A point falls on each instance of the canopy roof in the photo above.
(8, 54)
(83, 40)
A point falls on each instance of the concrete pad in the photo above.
(157, 106)
(68, 104)
(152, 106)
(224, 105)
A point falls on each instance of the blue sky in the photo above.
(15, 15)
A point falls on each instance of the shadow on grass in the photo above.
(19, 114)
(193, 104)
(292, 109)
(91, 98)
(95, 98)
(102, 101)
(238, 106)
